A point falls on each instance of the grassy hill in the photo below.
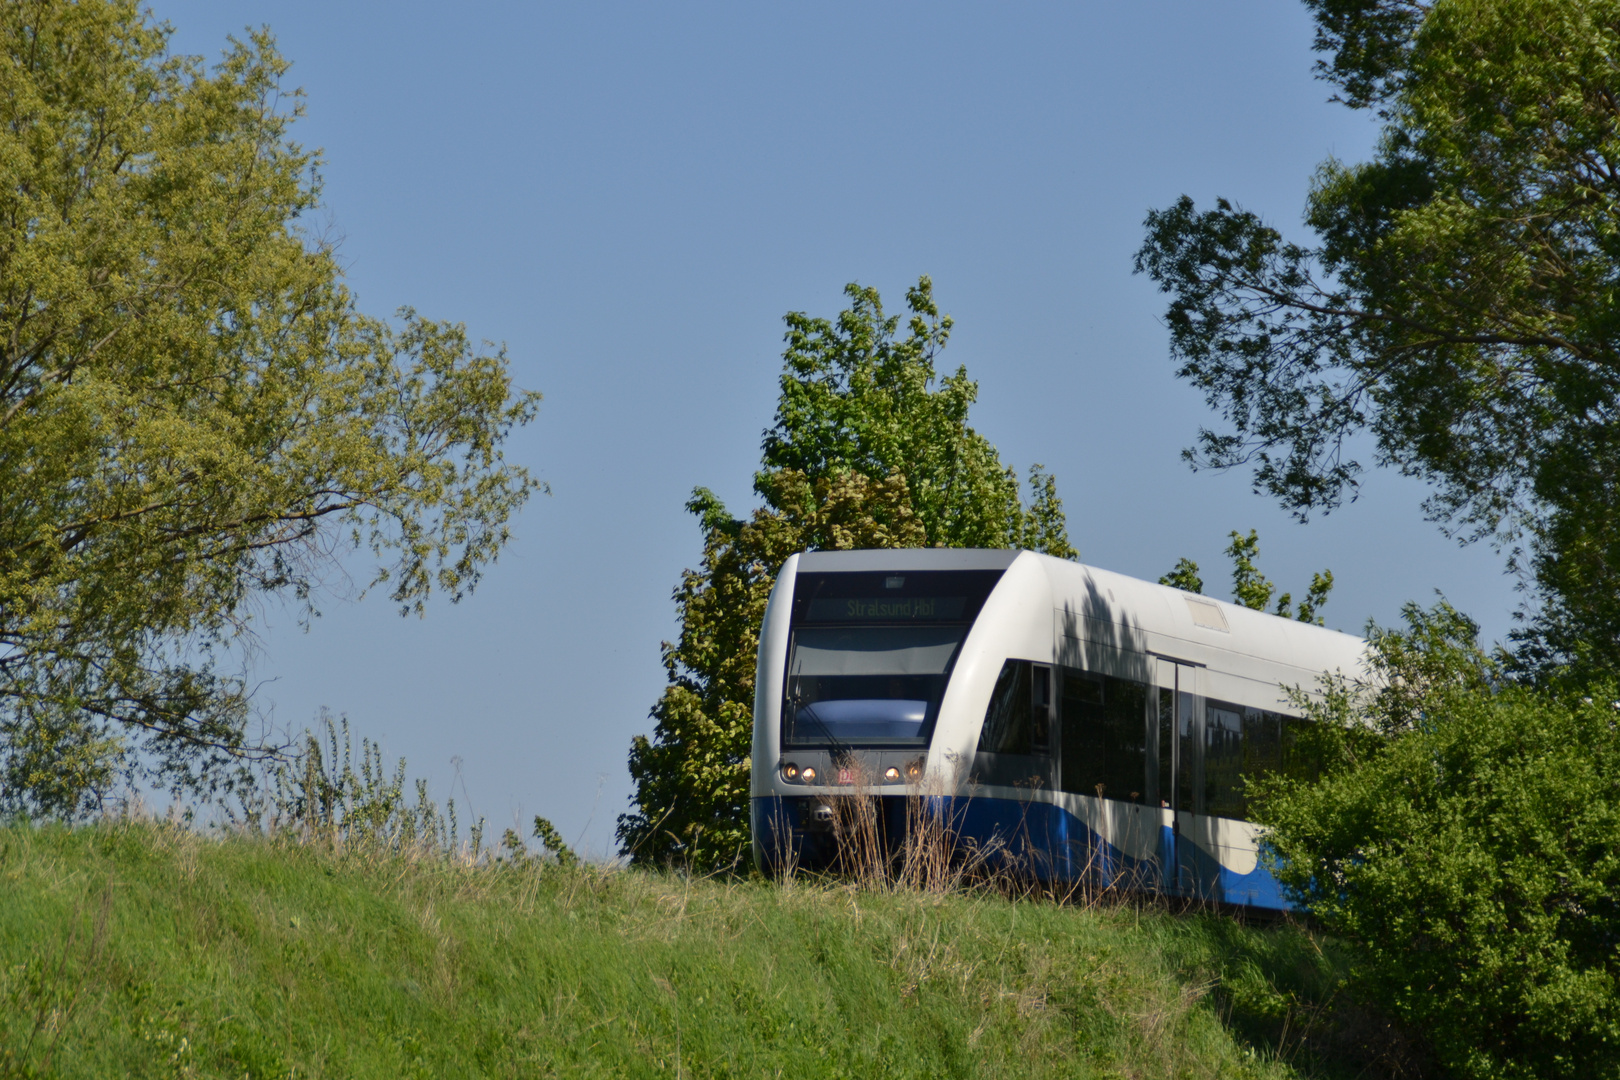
(145, 950)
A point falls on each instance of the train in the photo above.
(1076, 723)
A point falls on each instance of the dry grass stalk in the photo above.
(929, 854)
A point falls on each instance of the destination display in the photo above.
(886, 609)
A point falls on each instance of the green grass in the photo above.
(140, 950)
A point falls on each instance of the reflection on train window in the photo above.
(1301, 748)
(1040, 709)
(1223, 759)
(1189, 758)
(1108, 728)
(870, 685)
(1104, 742)
(1166, 746)
(1243, 744)
(1010, 726)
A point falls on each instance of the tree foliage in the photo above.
(870, 448)
(1458, 306)
(1250, 587)
(1463, 837)
(1185, 576)
(194, 415)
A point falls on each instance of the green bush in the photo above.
(1466, 838)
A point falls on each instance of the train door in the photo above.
(1179, 745)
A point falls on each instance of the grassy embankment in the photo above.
(135, 949)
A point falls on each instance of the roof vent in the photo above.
(1207, 615)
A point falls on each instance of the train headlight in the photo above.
(809, 775)
(891, 774)
(913, 770)
(790, 772)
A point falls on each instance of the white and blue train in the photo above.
(1080, 721)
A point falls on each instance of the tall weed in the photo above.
(318, 795)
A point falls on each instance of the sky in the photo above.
(630, 197)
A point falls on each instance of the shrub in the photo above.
(1472, 854)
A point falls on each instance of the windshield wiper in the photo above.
(835, 745)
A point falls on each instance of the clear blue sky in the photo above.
(631, 195)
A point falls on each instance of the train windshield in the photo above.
(871, 654)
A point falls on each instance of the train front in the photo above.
(857, 655)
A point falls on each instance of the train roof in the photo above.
(1101, 608)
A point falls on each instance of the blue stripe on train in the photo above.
(1031, 837)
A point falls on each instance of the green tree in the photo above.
(1250, 587)
(1458, 303)
(194, 416)
(870, 448)
(1185, 576)
(856, 396)
(1463, 838)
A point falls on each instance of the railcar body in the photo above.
(1075, 720)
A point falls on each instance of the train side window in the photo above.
(1224, 760)
(1244, 744)
(1105, 736)
(1262, 742)
(1165, 748)
(1008, 723)
(1189, 762)
(1040, 709)
(1302, 747)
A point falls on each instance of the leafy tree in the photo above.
(1250, 587)
(1457, 306)
(194, 416)
(1185, 576)
(1254, 590)
(870, 448)
(857, 397)
(1463, 837)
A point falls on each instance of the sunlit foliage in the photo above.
(870, 449)
(195, 418)
(1463, 838)
(1456, 312)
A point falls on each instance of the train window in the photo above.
(871, 653)
(874, 650)
(1166, 746)
(1301, 749)
(876, 685)
(1188, 760)
(1262, 742)
(1224, 759)
(1040, 709)
(1104, 736)
(1009, 723)
(1243, 744)
(1015, 744)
